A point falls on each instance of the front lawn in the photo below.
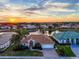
(64, 50)
(22, 53)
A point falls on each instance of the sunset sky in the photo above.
(39, 11)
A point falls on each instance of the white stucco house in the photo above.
(45, 41)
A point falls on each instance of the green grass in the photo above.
(63, 50)
(10, 52)
(22, 53)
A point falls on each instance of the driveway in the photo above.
(49, 54)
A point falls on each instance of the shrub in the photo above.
(19, 47)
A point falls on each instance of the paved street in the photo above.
(21, 57)
(34, 57)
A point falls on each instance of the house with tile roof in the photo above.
(44, 40)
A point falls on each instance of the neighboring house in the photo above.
(71, 37)
(44, 40)
(35, 33)
(5, 27)
(22, 26)
(31, 26)
(44, 26)
(76, 26)
(14, 27)
(65, 26)
(39, 32)
(5, 39)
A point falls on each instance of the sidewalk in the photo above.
(21, 57)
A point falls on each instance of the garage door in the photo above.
(47, 46)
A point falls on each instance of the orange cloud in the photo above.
(49, 19)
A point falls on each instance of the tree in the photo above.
(22, 32)
(50, 29)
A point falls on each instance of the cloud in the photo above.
(56, 4)
(45, 8)
(4, 1)
(60, 10)
(15, 6)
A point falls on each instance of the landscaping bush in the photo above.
(24, 47)
(64, 50)
(19, 47)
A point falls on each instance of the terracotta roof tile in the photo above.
(43, 39)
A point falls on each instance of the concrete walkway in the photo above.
(34, 57)
(49, 54)
(21, 57)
